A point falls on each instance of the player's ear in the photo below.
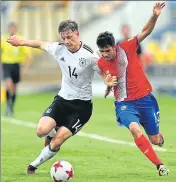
(77, 33)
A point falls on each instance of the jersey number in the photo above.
(77, 126)
(72, 73)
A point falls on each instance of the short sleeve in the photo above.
(94, 61)
(51, 48)
(130, 44)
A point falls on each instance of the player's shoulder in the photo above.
(128, 41)
(60, 44)
(101, 61)
(88, 48)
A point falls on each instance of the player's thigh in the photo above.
(126, 113)
(51, 116)
(56, 110)
(7, 75)
(79, 116)
(16, 73)
(151, 124)
(45, 125)
(150, 116)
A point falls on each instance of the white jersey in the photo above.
(77, 70)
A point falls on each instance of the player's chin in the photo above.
(69, 46)
(107, 58)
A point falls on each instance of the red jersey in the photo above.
(132, 81)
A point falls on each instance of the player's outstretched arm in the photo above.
(15, 41)
(148, 28)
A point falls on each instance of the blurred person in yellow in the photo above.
(12, 58)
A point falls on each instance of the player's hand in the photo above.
(14, 40)
(107, 91)
(110, 80)
(158, 8)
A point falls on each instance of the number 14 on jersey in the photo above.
(72, 72)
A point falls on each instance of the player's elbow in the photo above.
(148, 33)
(143, 35)
(43, 45)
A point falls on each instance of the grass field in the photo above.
(93, 160)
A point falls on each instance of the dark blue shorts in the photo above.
(144, 111)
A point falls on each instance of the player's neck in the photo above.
(126, 38)
(12, 34)
(77, 47)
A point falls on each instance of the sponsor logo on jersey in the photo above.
(82, 62)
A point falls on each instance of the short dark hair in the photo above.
(68, 25)
(105, 39)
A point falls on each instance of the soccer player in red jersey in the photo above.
(135, 104)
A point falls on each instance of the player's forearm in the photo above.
(148, 28)
(33, 43)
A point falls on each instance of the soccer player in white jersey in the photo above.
(72, 107)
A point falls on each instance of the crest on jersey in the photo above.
(82, 62)
(123, 108)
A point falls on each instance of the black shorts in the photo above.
(72, 114)
(11, 71)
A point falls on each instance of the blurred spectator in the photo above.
(11, 59)
(126, 33)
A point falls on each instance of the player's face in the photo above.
(126, 31)
(12, 29)
(108, 53)
(70, 39)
